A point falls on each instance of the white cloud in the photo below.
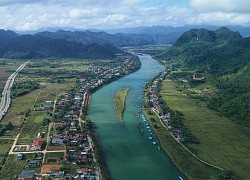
(116, 18)
(35, 14)
(131, 2)
(237, 6)
(82, 13)
(217, 18)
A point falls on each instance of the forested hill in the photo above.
(224, 57)
(36, 46)
(88, 37)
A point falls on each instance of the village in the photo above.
(172, 120)
(66, 150)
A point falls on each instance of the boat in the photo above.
(159, 147)
(150, 138)
(154, 143)
(181, 178)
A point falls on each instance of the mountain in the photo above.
(169, 34)
(221, 34)
(102, 38)
(38, 46)
(5, 38)
(224, 57)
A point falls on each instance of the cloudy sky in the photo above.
(24, 15)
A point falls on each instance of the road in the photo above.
(206, 163)
(6, 100)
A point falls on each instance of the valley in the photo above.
(184, 109)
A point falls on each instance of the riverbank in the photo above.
(186, 163)
(211, 128)
(120, 102)
(127, 152)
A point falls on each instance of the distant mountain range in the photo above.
(169, 34)
(102, 38)
(16, 46)
(93, 44)
(155, 34)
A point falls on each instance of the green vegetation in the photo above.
(5, 145)
(120, 101)
(23, 87)
(13, 167)
(36, 46)
(222, 142)
(55, 157)
(223, 58)
(99, 153)
(187, 164)
(7, 67)
(4, 128)
(58, 81)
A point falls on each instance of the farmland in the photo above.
(44, 116)
(218, 143)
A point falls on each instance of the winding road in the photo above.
(6, 99)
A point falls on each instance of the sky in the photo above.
(28, 15)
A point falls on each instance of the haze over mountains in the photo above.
(88, 44)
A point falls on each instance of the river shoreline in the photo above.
(126, 151)
(120, 102)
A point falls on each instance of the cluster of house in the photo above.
(67, 129)
(165, 116)
(99, 75)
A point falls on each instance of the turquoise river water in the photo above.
(129, 154)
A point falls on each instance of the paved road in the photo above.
(5, 100)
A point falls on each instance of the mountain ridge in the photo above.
(224, 56)
(35, 46)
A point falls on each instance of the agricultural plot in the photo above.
(54, 158)
(33, 125)
(5, 146)
(6, 69)
(223, 142)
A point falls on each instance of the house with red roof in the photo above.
(37, 144)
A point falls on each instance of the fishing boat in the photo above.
(181, 178)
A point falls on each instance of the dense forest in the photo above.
(14, 46)
(224, 56)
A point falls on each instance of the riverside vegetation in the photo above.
(120, 101)
(44, 80)
(209, 80)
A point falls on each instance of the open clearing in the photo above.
(223, 143)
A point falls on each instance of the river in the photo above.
(130, 155)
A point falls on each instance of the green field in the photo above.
(223, 143)
(52, 158)
(13, 167)
(5, 146)
(120, 100)
(7, 67)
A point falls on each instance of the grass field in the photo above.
(120, 100)
(13, 167)
(52, 158)
(6, 70)
(5, 146)
(223, 143)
